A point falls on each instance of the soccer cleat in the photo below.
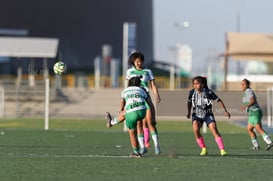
(135, 155)
(223, 152)
(269, 146)
(157, 150)
(256, 148)
(204, 152)
(108, 118)
(142, 151)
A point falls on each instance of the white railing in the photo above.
(2, 102)
(269, 107)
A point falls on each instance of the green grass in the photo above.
(82, 149)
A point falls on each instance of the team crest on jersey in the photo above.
(201, 100)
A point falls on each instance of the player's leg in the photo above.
(253, 136)
(134, 121)
(217, 136)
(131, 123)
(253, 121)
(255, 118)
(153, 115)
(146, 127)
(134, 142)
(264, 135)
(153, 130)
(111, 121)
(196, 125)
(140, 137)
(146, 133)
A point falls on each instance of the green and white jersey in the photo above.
(135, 98)
(246, 99)
(147, 76)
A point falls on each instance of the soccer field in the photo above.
(82, 149)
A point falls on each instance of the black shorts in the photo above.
(207, 119)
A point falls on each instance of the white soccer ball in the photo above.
(59, 68)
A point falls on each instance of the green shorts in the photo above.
(255, 117)
(133, 117)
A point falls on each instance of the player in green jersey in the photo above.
(133, 110)
(255, 115)
(136, 60)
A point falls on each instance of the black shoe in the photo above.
(135, 155)
(108, 118)
(269, 146)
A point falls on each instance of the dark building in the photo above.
(82, 26)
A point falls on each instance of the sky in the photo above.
(209, 21)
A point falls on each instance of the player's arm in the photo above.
(214, 97)
(189, 105)
(122, 105)
(251, 102)
(189, 109)
(155, 90)
(224, 107)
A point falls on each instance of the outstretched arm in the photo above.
(224, 107)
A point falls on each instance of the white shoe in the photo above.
(157, 150)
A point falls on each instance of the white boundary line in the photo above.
(232, 157)
(97, 156)
(65, 155)
(237, 157)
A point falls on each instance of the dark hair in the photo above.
(134, 56)
(134, 81)
(247, 82)
(202, 80)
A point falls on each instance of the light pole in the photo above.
(180, 27)
(172, 57)
(238, 24)
(238, 29)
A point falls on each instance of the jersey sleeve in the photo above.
(122, 95)
(127, 74)
(212, 95)
(190, 95)
(249, 93)
(144, 93)
(150, 75)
